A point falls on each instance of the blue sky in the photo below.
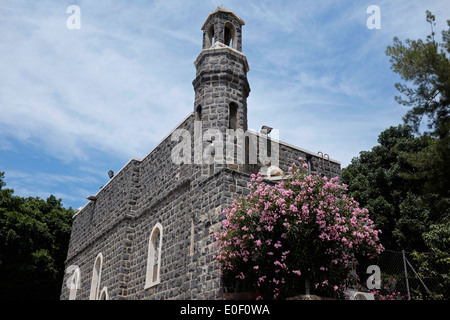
(76, 103)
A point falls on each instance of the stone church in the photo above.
(149, 232)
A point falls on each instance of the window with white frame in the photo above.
(154, 257)
(74, 284)
(104, 294)
(96, 276)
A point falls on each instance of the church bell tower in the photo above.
(221, 86)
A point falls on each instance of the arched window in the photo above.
(154, 257)
(198, 113)
(104, 294)
(229, 36)
(74, 284)
(209, 37)
(96, 276)
(232, 124)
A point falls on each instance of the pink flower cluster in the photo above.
(302, 226)
(388, 291)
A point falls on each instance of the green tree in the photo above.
(380, 181)
(436, 264)
(34, 237)
(426, 65)
(425, 68)
(404, 181)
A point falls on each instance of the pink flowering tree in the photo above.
(301, 230)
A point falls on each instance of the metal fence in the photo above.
(407, 276)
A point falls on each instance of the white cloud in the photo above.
(71, 92)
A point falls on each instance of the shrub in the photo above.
(303, 228)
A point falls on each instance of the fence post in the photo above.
(406, 274)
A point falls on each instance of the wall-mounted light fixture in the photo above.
(265, 130)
